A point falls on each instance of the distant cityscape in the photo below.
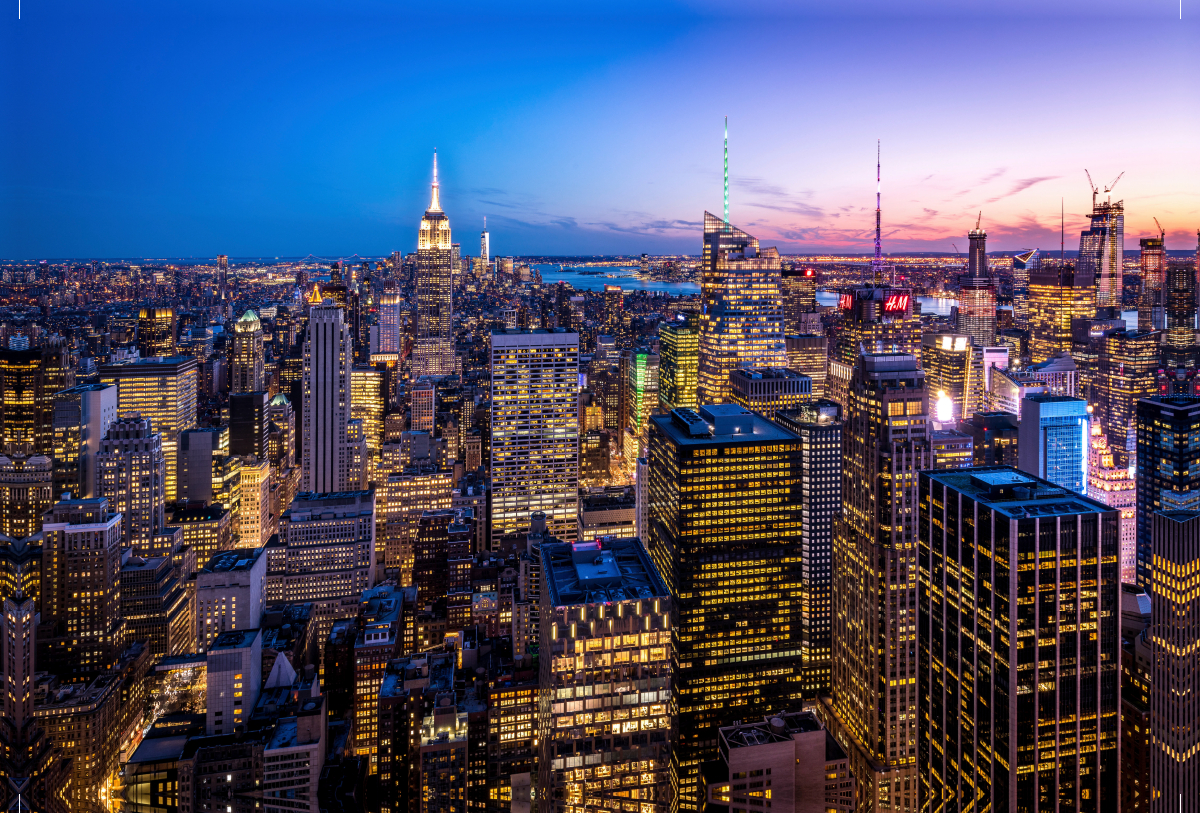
(735, 532)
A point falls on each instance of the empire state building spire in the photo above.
(434, 204)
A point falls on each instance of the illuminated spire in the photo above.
(434, 205)
(727, 169)
(877, 263)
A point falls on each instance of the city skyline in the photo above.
(605, 138)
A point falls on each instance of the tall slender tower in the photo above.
(485, 243)
(328, 354)
(977, 310)
(1102, 251)
(434, 350)
(389, 318)
(877, 262)
(247, 367)
(1153, 262)
(727, 170)
(885, 445)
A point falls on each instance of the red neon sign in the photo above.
(896, 303)
(846, 302)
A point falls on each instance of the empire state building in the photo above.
(433, 353)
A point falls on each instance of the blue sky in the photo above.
(137, 129)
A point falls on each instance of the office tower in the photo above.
(200, 453)
(1009, 559)
(678, 362)
(367, 404)
(885, 444)
(223, 277)
(163, 392)
(1023, 264)
(325, 553)
(246, 366)
(389, 318)
(614, 311)
(81, 556)
(1058, 295)
(977, 262)
(953, 375)
(1059, 374)
(977, 298)
(433, 346)
(207, 529)
(610, 511)
(808, 354)
(234, 679)
(485, 244)
(535, 379)
(230, 594)
(1087, 346)
(1152, 313)
(281, 439)
(741, 319)
(1174, 708)
(29, 380)
(767, 391)
(994, 438)
(82, 415)
(254, 525)
(380, 639)
(156, 606)
(1181, 317)
(424, 405)
(1168, 471)
(156, 332)
(799, 290)
(33, 773)
(1053, 442)
(249, 423)
(1114, 485)
(1129, 364)
(641, 400)
(951, 448)
(725, 526)
(819, 426)
(26, 492)
(877, 319)
(131, 473)
(402, 498)
(794, 755)
(328, 350)
(604, 597)
(1102, 252)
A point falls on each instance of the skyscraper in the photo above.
(389, 318)
(131, 472)
(1054, 440)
(249, 424)
(156, 332)
(1181, 317)
(768, 391)
(741, 321)
(1174, 701)
(808, 354)
(952, 371)
(1058, 295)
(878, 319)
(1168, 471)
(799, 289)
(977, 301)
(535, 430)
(885, 444)
(82, 415)
(433, 351)
(1023, 264)
(247, 365)
(1152, 313)
(1115, 486)
(1102, 252)
(1019, 645)
(1129, 364)
(641, 399)
(606, 597)
(819, 426)
(29, 380)
(328, 353)
(163, 392)
(679, 360)
(725, 525)
(485, 244)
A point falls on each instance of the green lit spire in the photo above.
(727, 169)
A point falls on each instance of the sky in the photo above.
(135, 129)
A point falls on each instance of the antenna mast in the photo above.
(727, 170)
(877, 263)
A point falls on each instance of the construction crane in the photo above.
(1095, 189)
(1113, 185)
(1162, 233)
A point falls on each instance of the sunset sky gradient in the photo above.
(271, 128)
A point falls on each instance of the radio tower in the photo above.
(877, 263)
(727, 170)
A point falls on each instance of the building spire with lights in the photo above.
(434, 204)
(727, 169)
(877, 263)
